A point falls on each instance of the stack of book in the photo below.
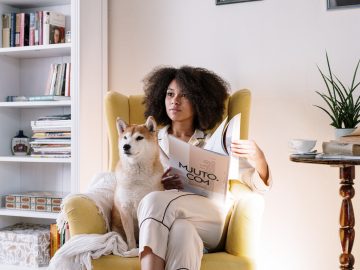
(346, 147)
(33, 28)
(51, 136)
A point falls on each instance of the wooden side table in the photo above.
(347, 192)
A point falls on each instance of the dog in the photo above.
(138, 172)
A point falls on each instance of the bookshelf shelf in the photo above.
(35, 3)
(52, 50)
(30, 159)
(35, 104)
(30, 214)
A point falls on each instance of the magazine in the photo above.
(205, 171)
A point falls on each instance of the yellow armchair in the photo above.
(240, 243)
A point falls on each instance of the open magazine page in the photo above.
(201, 171)
(215, 143)
(233, 132)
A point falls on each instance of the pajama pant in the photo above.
(176, 225)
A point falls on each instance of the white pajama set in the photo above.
(177, 225)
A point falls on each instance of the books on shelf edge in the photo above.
(6, 27)
(50, 124)
(48, 98)
(55, 117)
(45, 141)
(51, 135)
(40, 155)
(51, 129)
(54, 239)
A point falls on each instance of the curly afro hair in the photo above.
(205, 90)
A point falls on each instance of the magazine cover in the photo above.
(206, 171)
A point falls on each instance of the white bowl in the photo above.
(301, 145)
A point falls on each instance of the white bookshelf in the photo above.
(24, 72)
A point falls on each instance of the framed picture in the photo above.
(223, 2)
(331, 4)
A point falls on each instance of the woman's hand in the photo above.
(250, 150)
(171, 181)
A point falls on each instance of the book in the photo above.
(54, 239)
(6, 27)
(48, 98)
(353, 137)
(336, 157)
(55, 117)
(49, 123)
(341, 148)
(50, 135)
(22, 29)
(53, 27)
(205, 171)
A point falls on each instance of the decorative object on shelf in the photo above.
(39, 201)
(20, 144)
(342, 102)
(16, 98)
(68, 37)
(331, 4)
(223, 2)
(25, 244)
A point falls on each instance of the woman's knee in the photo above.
(150, 203)
(184, 234)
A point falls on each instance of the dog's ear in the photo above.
(120, 125)
(151, 124)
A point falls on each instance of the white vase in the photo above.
(339, 132)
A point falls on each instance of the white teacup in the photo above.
(301, 146)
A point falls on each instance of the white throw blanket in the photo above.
(77, 253)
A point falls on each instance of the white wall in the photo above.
(93, 85)
(271, 47)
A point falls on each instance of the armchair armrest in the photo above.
(245, 222)
(83, 216)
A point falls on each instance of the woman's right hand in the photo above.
(171, 181)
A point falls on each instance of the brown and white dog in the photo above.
(138, 172)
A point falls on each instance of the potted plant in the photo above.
(342, 102)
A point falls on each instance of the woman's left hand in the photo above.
(250, 150)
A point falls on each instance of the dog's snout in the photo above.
(126, 147)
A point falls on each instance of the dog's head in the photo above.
(137, 142)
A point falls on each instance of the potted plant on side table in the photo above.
(342, 102)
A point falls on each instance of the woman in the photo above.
(175, 226)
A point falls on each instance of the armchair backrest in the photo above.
(131, 109)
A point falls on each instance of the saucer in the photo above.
(311, 153)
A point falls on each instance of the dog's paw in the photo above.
(132, 253)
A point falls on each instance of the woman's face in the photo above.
(178, 106)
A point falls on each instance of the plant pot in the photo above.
(339, 132)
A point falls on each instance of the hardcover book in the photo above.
(6, 27)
